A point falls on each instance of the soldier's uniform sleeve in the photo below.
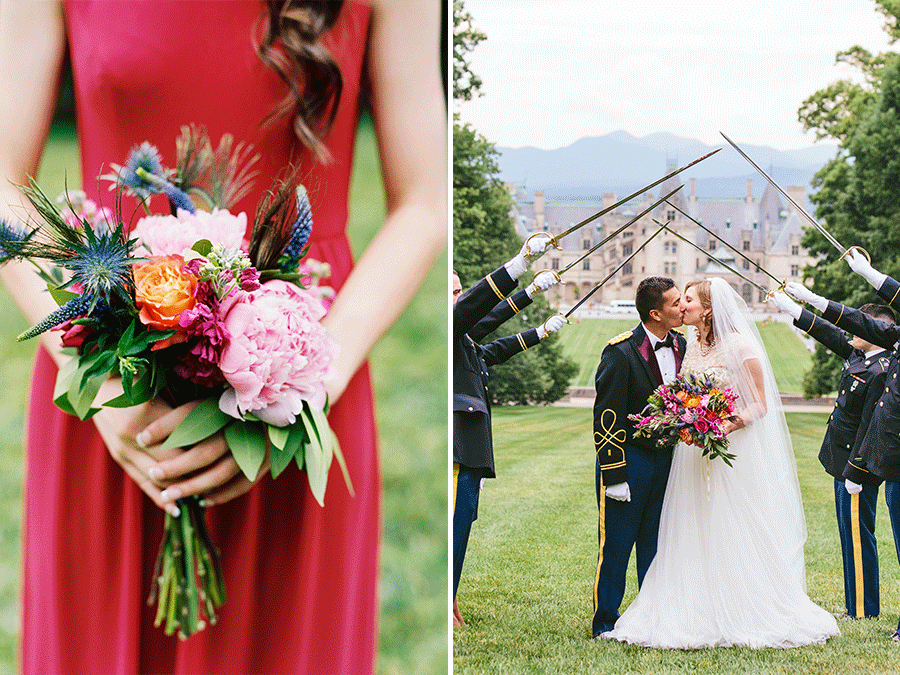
(890, 293)
(856, 469)
(862, 325)
(825, 332)
(504, 348)
(610, 414)
(503, 311)
(479, 300)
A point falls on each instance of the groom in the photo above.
(631, 473)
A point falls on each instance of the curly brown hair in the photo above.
(704, 295)
(290, 44)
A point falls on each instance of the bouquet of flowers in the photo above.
(182, 308)
(691, 409)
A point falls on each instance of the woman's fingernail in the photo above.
(173, 510)
(170, 494)
(155, 473)
(142, 439)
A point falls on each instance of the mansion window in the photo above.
(671, 247)
(795, 270)
(587, 244)
(554, 263)
(712, 244)
(747, 293)
(627, 248)
(669, 268)
(626, 270)
(746, 245)
(670, 215)
(746, 264)
(586, 265)
(795, 250)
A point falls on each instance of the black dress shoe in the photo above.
(896, 636)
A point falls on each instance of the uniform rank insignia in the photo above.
(620, 337)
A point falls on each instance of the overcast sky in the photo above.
(555, 71)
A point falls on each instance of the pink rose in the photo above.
(701, 425)
(277, 355)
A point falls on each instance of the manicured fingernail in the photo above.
(170, 494)
(155, 472)
(142, 439)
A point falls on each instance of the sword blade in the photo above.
(632, 196)
(719, 262)
(701, 226)
(610, 275)
(621, 229)
(825, 233)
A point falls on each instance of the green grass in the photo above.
(409, 369)
(585, 339)
(526, 588)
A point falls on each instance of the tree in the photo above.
(484, 237)
(855, 193)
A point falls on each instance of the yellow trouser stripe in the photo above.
(602, 542)
(455, 481)
(857, 555)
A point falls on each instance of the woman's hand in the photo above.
(733, 423)
(208, 468)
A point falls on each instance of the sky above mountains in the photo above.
(554, 71)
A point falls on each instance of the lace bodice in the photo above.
(711, 362)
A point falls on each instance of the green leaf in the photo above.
(203, 247)
(281, 457)
(82, 397)
(202, 422)
(102, 365)
(126, 339)
(60, 295)
(278, 435)
(63, 384)
(317, 461)
(247, 441)
(140, 393)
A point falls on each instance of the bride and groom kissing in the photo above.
(719, 549)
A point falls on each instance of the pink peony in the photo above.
(171, 235)
(278, 354)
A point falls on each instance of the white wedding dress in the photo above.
(729, 564)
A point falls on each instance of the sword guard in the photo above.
(565, 318)
(860, 249)
(781, 287)
(553, 242)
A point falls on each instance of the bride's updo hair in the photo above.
(290, 44)
(704, 288)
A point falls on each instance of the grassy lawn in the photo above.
(584, 341)
(526, 588)
(411, 395)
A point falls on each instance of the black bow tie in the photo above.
(668, 342)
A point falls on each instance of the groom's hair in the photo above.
(880, 312)
(649, 295)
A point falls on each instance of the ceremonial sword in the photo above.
(555, 240)
(727, 267)
(701, 226)
(825, 233)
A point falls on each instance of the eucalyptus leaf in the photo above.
(247, 441)
(202, 422)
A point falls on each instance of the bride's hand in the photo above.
(208, 468)
(733, 424)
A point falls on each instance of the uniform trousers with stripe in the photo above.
(466, 488)
(624, 526)
(859, 548)
(892, 497)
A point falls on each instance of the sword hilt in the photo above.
(857, 248)
(553, 242)
(544, 325)
(781, 287)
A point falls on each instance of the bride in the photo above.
(729, 564)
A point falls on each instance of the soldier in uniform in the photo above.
(631, 473)
(476, 313)
(877, 457)
(860, 387)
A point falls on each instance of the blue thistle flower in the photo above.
(77, 306)
(101, 265)
(300, 233)
(143, 162)
(178, 199)
(13, 241)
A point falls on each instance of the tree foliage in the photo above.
(484, 238)
(855, 193)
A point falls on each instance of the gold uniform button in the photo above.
(471, 408)
(881, 403)
(843, 391)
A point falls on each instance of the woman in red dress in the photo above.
(301, 580)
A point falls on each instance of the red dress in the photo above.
(300, 580)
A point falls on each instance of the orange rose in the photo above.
(685, 436)
(163, 291)
(692, 402)
(681, 396)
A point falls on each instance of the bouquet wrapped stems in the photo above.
(187, 578)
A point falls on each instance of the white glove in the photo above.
(852, 488)
(551, 325)
(786, 305)
(863, 268)
(802, 293)
(533, 248)
(542, 282)
(620, 492)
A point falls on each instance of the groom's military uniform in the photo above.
(859, 390)
(877, 456)
(628, 373)
(478, 312)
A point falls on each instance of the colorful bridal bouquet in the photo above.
(691, 409)
(182, 308)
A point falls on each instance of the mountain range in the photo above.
(621, 163)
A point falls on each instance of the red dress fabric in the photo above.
(300, 579)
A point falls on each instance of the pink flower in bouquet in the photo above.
(689, 417)
(278, 354)
(171, 235)
(701, 425)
